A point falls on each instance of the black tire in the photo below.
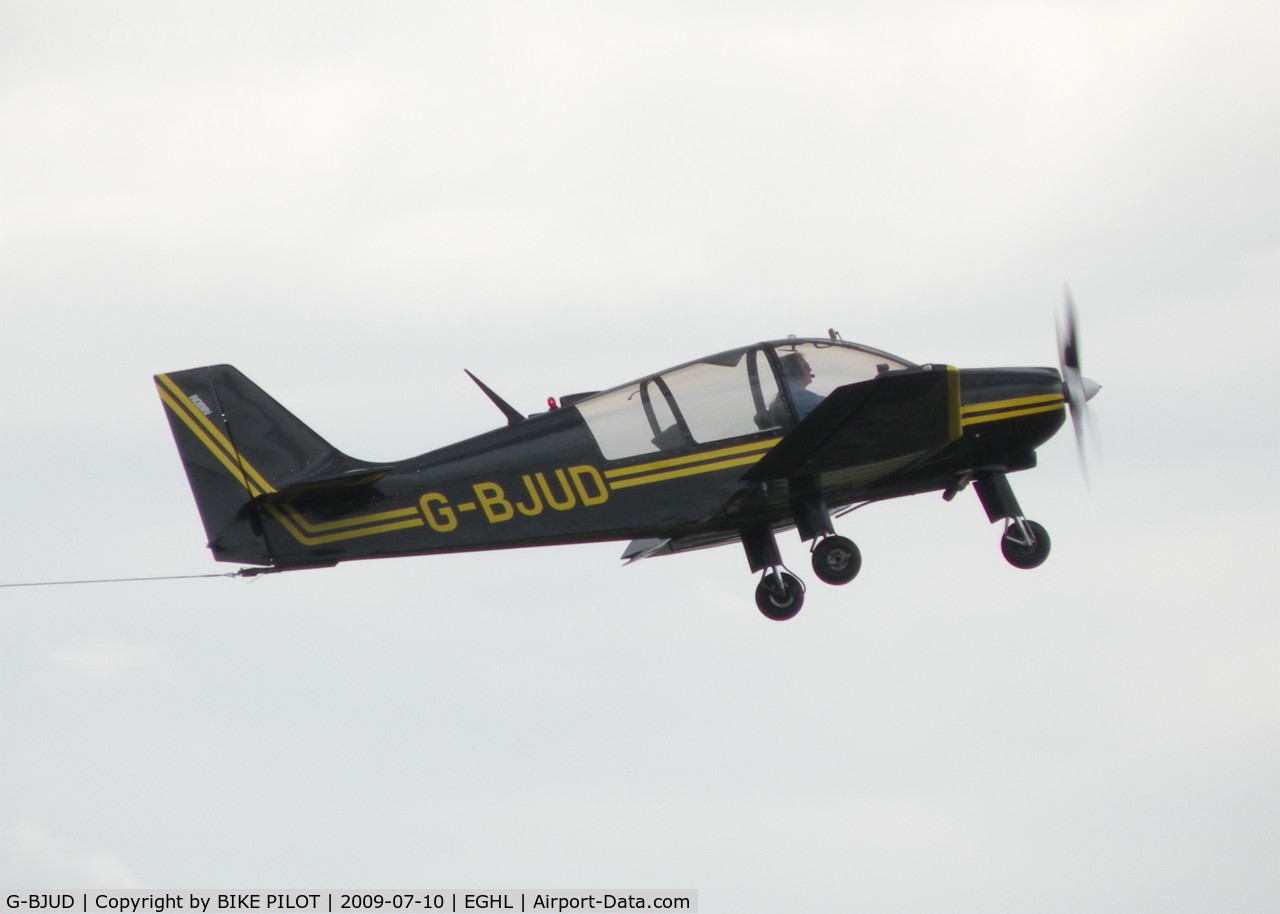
(779, 596)
(1020, 554)
(837, 560)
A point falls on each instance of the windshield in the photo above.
(835, 364)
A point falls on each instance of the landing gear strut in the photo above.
(836, 559)
(1025, 543)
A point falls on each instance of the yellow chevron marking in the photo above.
(221, 447)
(298, 526)
(287, 520)
(365, 519)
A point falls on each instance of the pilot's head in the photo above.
(796, 370)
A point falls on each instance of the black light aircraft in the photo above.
(729, 448)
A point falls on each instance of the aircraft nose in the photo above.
(1090, 387)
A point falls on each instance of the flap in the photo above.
(642, 549)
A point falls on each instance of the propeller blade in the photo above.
(1078, 389)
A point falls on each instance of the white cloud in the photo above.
(41, 860)
(105, 658)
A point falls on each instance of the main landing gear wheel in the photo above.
(779, 595)
(1025, 544)
(836, 560)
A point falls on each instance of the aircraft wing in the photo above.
(860, 433)
(872, 424)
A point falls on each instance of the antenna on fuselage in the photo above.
(514, 416)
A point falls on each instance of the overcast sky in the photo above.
(354, 202)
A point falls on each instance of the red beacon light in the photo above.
(551, 403)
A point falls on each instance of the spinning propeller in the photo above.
(1079, 390)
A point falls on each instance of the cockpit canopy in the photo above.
(757, 391)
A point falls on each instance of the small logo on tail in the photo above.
(200, 404)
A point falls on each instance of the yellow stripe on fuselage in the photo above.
(687, 471)
(1013, 408)
(691, 458)
(688, 464)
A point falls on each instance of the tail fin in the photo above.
(240, 447)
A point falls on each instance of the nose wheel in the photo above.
(836, 560)
(1025, 543)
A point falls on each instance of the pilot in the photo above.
(797, 375)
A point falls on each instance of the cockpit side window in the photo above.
(719, 399)
(712, 400)
(626, 421)
(669, 433)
